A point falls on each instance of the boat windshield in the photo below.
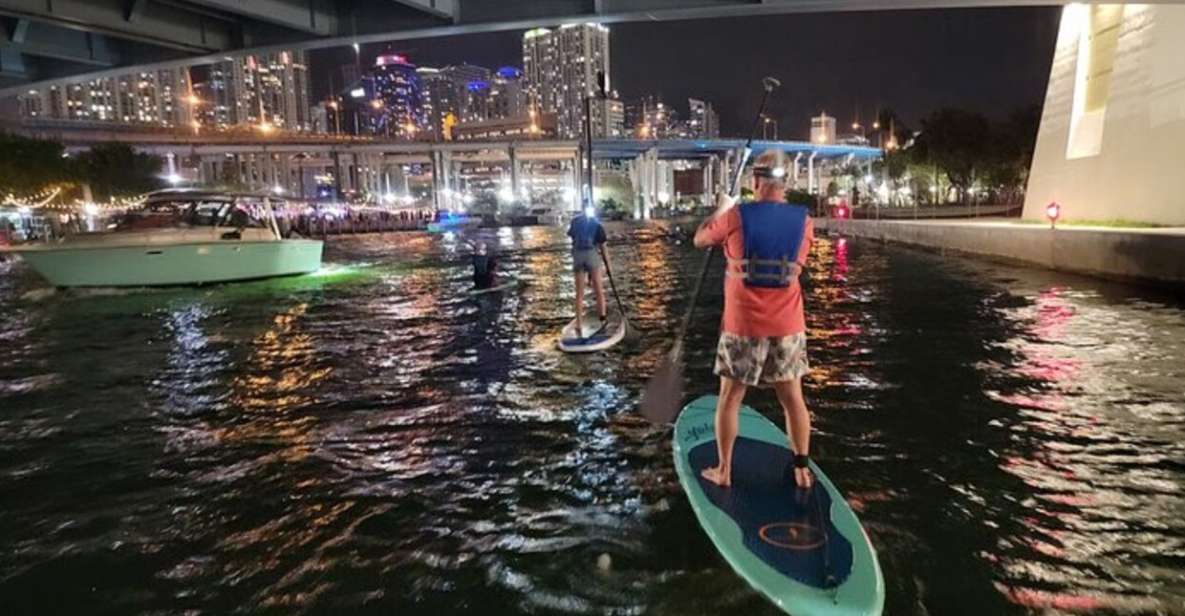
(188, 213)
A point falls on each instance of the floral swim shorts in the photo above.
(762, 361)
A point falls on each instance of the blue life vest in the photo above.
(584, 232)
(772, 235)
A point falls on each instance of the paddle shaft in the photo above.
(612, 285)
(677, 348)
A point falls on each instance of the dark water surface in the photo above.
(371, 439)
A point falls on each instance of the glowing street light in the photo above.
(266, 128)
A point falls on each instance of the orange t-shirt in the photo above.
(756, 312)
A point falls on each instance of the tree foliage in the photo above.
(972, 151)
(116, 170)
(28, 166)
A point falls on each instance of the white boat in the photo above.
(179, 237)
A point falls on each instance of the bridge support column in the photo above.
(797, 168)
(707, 169)
(514, 182)
(812, 180)
(577, 182)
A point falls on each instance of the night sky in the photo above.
(991, 60)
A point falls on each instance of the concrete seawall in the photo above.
(1135, 255)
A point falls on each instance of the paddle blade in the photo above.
(663, 396)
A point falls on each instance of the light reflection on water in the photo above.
(379, 440)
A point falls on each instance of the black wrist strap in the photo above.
(801, 461)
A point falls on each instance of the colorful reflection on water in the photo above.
(375, 439)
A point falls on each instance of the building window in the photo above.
(1099, 26)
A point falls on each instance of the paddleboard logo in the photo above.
(791, 535)
(698, 432)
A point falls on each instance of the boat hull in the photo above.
(173, 264)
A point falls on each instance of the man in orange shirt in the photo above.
(763, 331)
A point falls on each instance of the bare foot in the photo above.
(716, 476)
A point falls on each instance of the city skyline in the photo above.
(844, 64)
(847, 79)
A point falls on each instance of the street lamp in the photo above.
(767, 121)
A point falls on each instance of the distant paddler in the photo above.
(588, 245)
(485, 266)
(763, 330)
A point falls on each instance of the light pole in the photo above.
(337, 116)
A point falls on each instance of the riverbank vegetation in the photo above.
(33, 169)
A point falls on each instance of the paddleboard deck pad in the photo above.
(597, 335)
(803, 549)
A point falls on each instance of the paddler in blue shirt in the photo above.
(588, 244)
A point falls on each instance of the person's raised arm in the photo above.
(713, 231)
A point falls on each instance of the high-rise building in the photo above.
(450, 94)
(268, 89)
(476, 102)
(608, 118)
(650, 118)
(156, 98)
(393, 89)
(436, 101)
(256, 90)
(702, 120)
(823, 129)
(319, 122)
(217, 97)
(508, 95)
(562, 67)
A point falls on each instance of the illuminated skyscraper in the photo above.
(436, 100)
(154, 98)
(508, 96)
(702, 121)
(271, 89)
(561, 68)
(393, 88)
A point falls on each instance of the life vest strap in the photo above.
(740, 268)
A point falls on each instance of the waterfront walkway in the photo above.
(1150, 255)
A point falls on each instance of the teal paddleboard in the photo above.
(803, 549)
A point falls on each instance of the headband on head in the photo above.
(776, 173)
